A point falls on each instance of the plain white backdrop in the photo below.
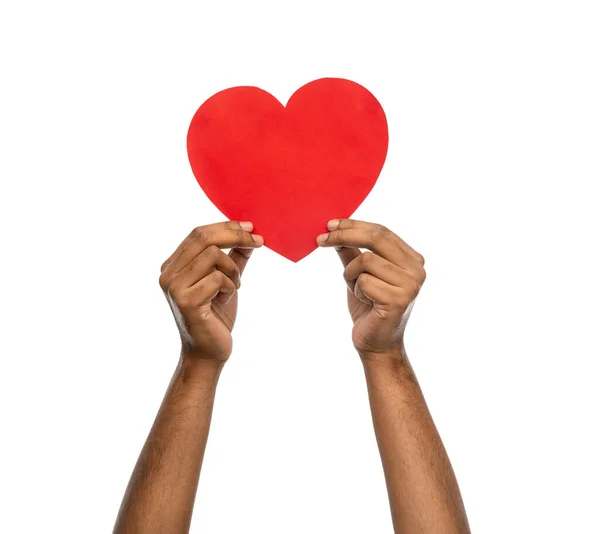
(492, 174)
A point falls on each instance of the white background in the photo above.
(492, 175)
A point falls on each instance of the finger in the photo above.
(351, 223)
(202, 265)
(345, 224)
(226, 235)
(375, 238)
(225, 225)
(380, 293)
(379, 267)
(240, 257)
(192, 234)
(347, 254)
(208, 288)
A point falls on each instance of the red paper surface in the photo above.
(289, 169)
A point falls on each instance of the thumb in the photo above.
(240, 257)
(347, 254)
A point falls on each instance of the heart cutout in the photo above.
(289, 169)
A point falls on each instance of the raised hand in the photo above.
(200, 282)
(383, 283)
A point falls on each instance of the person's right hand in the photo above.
(200, 282)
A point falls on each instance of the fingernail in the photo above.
(333, 224)
(245, 251)
(248, 226)
(322, 238)
(258, 239)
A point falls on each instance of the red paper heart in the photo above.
(289, 169)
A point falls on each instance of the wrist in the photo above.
(199, 371)
(391, 356)
(390, 365)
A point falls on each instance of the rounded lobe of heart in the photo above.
(289, 169)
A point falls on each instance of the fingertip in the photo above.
(322, 238)
(258, 239)
(247, 225)
(333, 224)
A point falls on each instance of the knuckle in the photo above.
(232, 270)
(379, 232)
(233, 276)
(362, 279)
(367, 257)
(175, 293)
(163, 281)
(227, 266)
(199, 233)
(421, 259)
(213, 251)
(413, 289)
(216, 278)
(221, 276)
(224, 281)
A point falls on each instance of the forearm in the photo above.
(423, 492)
(161, 492)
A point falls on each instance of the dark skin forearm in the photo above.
(160, 495)
(422, 489)
(200, 283)
(383, 283)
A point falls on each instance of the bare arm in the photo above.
(383, 283)
(422, 488)
(161, 491)
(200, 282)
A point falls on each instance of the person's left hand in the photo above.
(383, 283)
